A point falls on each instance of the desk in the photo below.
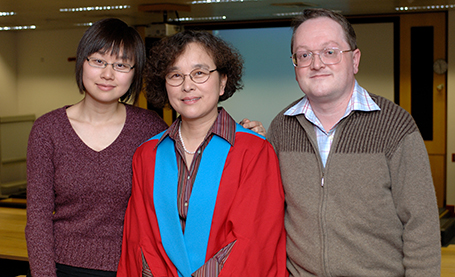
(14, 247)
(448, 261)
(12, 236)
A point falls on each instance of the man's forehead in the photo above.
(320, 24)
(319, 32)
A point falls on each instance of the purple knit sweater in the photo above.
(77, 197)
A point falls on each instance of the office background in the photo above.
(36, 75)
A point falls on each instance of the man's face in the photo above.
(320, 82)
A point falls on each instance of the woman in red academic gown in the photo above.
(207, 198)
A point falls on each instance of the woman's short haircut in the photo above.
(165, 52)
(113, 36)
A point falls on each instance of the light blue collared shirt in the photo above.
(360, 101)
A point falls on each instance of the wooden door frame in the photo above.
(436, 148)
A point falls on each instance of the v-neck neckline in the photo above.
(78, 139)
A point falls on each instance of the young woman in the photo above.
(79, 159)
(207, 197)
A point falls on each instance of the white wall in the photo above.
(376, 61)
(45, 77)
(8, 74)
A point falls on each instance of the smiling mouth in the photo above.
(105, 87)
(191, 99)
(319, 75)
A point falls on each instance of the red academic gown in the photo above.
(248, 208)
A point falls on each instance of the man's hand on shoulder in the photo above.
(255, 126)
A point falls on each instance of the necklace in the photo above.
(181, 140)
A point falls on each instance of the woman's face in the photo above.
(192, 100)
(106, 84)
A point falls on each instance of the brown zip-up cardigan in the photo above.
(376, 214)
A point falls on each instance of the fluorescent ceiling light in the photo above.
(17, 28)
(96, 8)
(195, 2)
(423, 8)
(287, 14)
(84, 24)
(211, 18)
(7, 13)
(293, 14)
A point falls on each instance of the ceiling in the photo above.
(46, 14)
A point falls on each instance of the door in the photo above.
(423, 85)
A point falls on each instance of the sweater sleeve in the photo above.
(40, 202)
(415, 201)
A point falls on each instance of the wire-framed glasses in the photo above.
(198, 75)
(100, 63)
(327, 55)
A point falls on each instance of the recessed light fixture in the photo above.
(17, 28)
(424, 8)
(95, 8)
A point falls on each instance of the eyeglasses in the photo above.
(99, 63)
(327, 55)
(198, 75)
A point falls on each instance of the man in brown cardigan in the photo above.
(359, 193)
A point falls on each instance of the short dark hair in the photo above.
(165, 52)
(308, 14)
(113, 35)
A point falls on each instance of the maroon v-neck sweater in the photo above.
(76, 197)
